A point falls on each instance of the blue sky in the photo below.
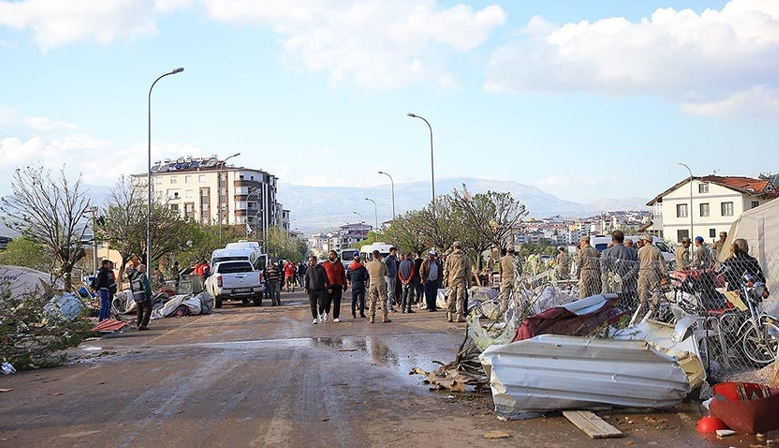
(587, 100)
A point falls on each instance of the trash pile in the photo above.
(166, 305)
(553, 352)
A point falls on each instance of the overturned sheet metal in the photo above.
(551, 372)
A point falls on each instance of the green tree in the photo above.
(51, 211)
(282, 245)
(28, 253)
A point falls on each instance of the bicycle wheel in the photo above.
(760, 344)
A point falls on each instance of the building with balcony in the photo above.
(713, 204)
(208, 190)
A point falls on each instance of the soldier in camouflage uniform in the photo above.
(562, 264)
(457, 269)
(377, 291)
(588, 267)
(650, 274)
(508, 275)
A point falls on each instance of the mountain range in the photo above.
(316, 209)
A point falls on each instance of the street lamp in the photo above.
(392, 187)
(148, 205)
(219, 193)
(432, 165)
(692, 231)
(375, 214)
(361, 220)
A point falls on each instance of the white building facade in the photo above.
(712, 206)
(207, 190)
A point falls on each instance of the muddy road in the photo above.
(256, 377)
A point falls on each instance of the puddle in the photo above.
(91, 348)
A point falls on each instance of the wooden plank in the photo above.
(592, 425)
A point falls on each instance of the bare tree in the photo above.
(51, 211)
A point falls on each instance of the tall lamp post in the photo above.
(361, 220)
(432, 165)
(148, 204)
(692, 231)
(219, 193)
(375, 214)
(392, 188)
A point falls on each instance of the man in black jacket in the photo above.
(357, 275)
(105, 285)
(315, 284)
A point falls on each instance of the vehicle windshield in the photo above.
(229, 258)
(233, 268)
(661, 245)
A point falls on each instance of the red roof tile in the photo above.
(747, 185)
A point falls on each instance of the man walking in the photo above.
(619, 269)
(458, 274)
(683, 255)
(315, 284)
(508, 275)
(650, 274)
(392, 274)
(141, 290)
(289, 276)
(702, 258)
(418, 282)
(588, 269)
(357, 275)
(377, 289)
(336, 278)
(430, 273)
(406, 275)
(273, 280)
(301, 272)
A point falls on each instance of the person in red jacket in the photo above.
(336, 277)
(289, 276)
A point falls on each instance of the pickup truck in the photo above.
(235, 280)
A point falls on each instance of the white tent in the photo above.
(760, 227)
(21, 280)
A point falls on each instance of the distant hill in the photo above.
(620, 204)
(322, 208)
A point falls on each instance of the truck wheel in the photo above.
(217, 303)
(257, 300)
(245, 301)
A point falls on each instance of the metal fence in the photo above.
(727, 307)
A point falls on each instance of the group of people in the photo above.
(282, 274)
(401, 280)
(104, 283)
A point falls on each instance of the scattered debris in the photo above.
(324, 419)
(592, 425)
(7, 368)
(495, 434)
(109, 326)
(5, 390)
(66, 306)
(450, 378)
(348, 350)
(745, 407)
(725, 433)
(552, 372)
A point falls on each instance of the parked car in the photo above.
(235, 280)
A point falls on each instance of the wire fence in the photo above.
(730, 307)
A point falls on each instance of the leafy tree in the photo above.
(205, 238)
(406, 230)
(28, 253)
(280, 244)
(51, 211)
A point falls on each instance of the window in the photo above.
(174, 207)
(680, 234)
(726, 208)
(188, 194)
(703, 188)
(712, 233)
(201, 178)
(755, 204)
(187, 179)
(704, 209)
(681, 210)
(173, 180)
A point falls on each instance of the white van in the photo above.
(366, 251)
(258, 259)
(245, 244)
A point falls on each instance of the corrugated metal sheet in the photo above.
(552, 372)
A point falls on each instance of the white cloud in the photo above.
(379, 43)
(47, 124)
(711, 62)
(558, 183)
(758, 100)
(376, 43)
(56, 22)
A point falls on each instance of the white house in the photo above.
(712, 205)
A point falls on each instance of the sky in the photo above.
(586, 100)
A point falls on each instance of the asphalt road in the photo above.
(247, 376)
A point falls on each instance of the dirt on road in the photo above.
(265, 376)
